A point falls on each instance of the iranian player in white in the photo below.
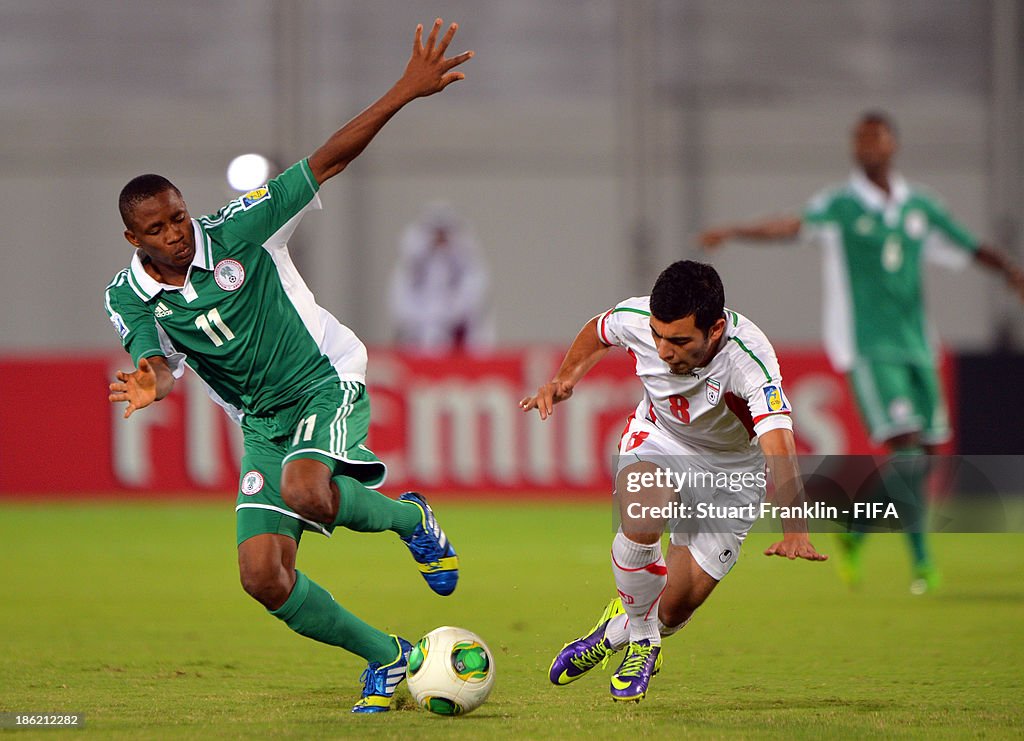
(692, 458)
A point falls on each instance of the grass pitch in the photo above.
(132, 615)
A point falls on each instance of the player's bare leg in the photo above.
(306, 489)
(266, 567)
(688, 587)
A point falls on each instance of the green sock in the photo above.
(904, 482)
(367, 511)
(855, 538)
(311, 611)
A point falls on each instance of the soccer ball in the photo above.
(451, 671)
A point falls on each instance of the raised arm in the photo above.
(427, 72)
(999, 262)
(773, 229)
(584, 353)
(779, 451)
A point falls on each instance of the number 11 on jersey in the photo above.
(211, 319)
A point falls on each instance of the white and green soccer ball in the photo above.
(451, 671)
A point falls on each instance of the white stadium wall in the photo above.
(542, 188)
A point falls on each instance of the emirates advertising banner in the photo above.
(443, 425)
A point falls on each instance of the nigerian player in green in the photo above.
(221, 295)
(875, 231)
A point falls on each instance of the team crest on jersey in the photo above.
(229, 275)
(776, 401)
(915, 224)
(253, 197)
(713, 389)
(864, 225)
(118, 321)
(252, 482)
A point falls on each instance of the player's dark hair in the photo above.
(877, 116)
(138, 190)
(687, 287)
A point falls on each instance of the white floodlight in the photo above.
(248, 171)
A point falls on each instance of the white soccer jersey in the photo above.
(721, 407)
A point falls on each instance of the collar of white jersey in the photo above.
(147, 287)
(731, 321)
(874, 197)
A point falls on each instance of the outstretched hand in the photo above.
(138, 388)
(794, 547)
(428, 70)
(546, 397)
(712, 239)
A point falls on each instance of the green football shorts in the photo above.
(330, 426)
(896, 399)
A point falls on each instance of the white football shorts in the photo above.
(718, 493)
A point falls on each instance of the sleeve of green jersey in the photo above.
(268, 215)
(819, 209)
(134, 322)
(953, 232)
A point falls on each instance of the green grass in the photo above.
(132, 615)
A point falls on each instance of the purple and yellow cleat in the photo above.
(580, 656)
(631, 679)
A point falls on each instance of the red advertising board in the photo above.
(441, 424)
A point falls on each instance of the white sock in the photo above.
(617, 630)
(640, 576)
(667, 630)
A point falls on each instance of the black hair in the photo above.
(687, 287)
(138, 190)
(877, 116)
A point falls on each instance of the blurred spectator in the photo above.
(440, 288)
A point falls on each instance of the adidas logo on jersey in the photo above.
(161, 310)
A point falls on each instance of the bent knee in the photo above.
(270, 586)
(307, 489)
(315, 503)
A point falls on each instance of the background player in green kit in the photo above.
(221, 295)
(875, 230)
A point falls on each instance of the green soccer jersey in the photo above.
(873, 250)
(244, 320)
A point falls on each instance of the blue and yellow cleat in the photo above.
(631, 679)
(380, 682)
(431, 549)
(580, 656)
